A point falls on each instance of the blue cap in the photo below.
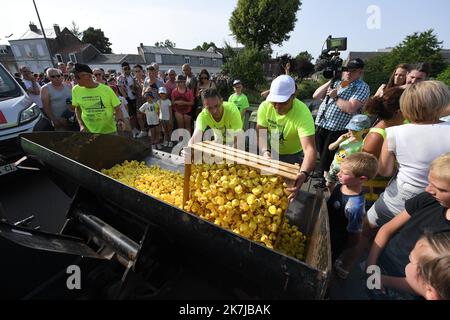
(358, 123)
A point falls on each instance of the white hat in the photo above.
(281, 89)
(162, 90)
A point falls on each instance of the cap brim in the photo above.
(277, 98)
(353, 128)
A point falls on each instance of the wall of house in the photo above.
(176, 62)
(32, 53)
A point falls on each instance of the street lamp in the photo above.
(43, 33)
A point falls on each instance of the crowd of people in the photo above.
(385, 159)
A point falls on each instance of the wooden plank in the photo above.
(230, 156)
(258, 158)
(292, 176)
(187, 176)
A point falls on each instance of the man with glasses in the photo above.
(223, 118)
(191, 81)
(339, 105)
(57, 101)
(291, 127)
(128, 90)
(33, 88)
(96, 105)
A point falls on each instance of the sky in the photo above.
(368, 24)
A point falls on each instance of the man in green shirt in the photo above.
(223, 118)
(238, 98)
(96, 105)
(291, 127)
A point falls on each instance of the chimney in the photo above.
(57, 30)
(33, 27)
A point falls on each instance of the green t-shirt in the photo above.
(231, 120)
(240, 101)
(347, 148)
(296, 124)
(97, 107)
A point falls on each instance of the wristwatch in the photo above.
(306, 175)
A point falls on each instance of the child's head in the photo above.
(428, 270)
(358, 168)
(425, 101)
(237, 86)
(149, 96)
(439, 180)
(358, 125)
(162, 93)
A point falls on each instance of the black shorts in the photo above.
(131, 107)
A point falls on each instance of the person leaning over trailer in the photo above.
(95, 103)
(289, 120)
(222, 117)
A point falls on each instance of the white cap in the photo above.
(162, 90)
(281, 89)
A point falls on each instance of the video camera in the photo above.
(330, 62)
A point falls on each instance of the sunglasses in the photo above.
(97, 74)
(126, 68)
(55, 76)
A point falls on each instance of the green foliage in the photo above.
(304, 55)
(444, 76)
(205, 46)
(246, 65)
(260, 23)
(97, 38)
(375, 72)
(418, 47)
(165, 44)
(307, 88)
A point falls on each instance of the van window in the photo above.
(8, 86)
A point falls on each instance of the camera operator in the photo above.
(339, 104)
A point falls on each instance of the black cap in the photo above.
(79, 67)
(180, 77)
(354, 64)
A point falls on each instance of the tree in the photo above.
(375, 72)
(418, 47)
(97, 38)
(246, 65)
(261, 23)
(444, 76)
(166, 44)
(205, 46)
(75, 29)
(304, 55)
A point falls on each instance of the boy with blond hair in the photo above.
(427, 212)
(346, 208)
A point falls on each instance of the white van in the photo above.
(18, 114)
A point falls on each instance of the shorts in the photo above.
(131, 107)
(332, 173)
(391, 202)
(288, 158)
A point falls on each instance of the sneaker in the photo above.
(158, 146)
(170, 144)
(339, 269)
(142, 134)
(321, 184)
(165, 144)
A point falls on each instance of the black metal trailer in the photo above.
(145, 238)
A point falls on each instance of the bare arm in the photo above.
(373, 144)
(321, 92)
(336, 144)
(384, 235)
(396, 283)
(350, 106)
(262, 143)
(196, 137)
(309, 162)
(80, 121)
(386, 162)
(46, 104)
(34, 88)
